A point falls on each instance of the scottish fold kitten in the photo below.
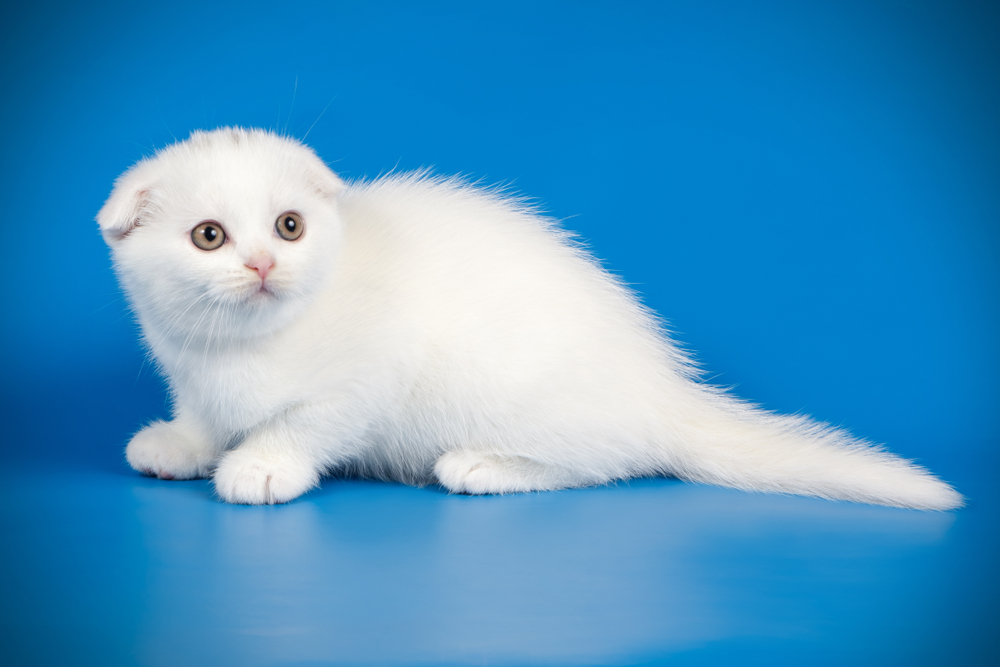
(424, 330)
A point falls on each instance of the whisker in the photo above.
(317, 118)
(172, 327)
(292, 108)
(145, 358)
(100, 308)
(197, 323)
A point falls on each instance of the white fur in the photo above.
(424, 330)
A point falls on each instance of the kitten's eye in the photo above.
(208, 235)
(289, 226)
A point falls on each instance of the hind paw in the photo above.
(477, 473)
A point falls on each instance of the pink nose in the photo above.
(262, 264)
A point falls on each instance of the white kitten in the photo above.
(421, 329)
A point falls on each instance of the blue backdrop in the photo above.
(808, 192)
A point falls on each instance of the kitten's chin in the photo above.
(258, 316)
(265, 311)
(260, 295)
(263, 294)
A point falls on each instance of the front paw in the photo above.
(249, 478)
(163, 450)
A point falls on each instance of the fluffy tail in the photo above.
(732, 444)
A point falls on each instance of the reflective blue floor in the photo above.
(105, 567)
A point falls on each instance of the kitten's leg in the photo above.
(282, 459)
(478, 473)
(177, 449)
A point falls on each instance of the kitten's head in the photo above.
(226, 235)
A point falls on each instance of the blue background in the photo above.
(808, 192)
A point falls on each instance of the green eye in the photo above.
(209, 235)
(289, 226)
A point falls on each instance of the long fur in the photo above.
(425, 330)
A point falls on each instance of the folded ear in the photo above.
(327, 183)
(123, 211)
